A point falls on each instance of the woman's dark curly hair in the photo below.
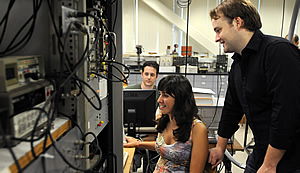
(184, 110)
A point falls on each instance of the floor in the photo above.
(239, 156)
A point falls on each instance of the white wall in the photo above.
(154, 32)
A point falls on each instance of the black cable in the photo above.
(34, 129)
(119, 80)
(27, 36)
(49, 121)
(231, 146)
(72, 74)
(48, 127)
(5, 19)
(85, 95)
(61, 45)
(67, 162)
(218, 97)
(81, 61)
(126, 67)
(124, 77)
(73, 122)
(69, 77)
(79, 82)
(124, 80)
(64, 51)
(86, 50)
(95, 93)
(31, 140)
(151, 161)
(10, 5)
(56, 32)
(105, 27)
(6, 143)
(110, 37)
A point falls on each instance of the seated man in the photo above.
(149, 74)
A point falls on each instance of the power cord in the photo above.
(217, 101)
(229, 156)
(10, 49)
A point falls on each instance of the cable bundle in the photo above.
(66, 74)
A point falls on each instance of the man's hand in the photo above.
(215, 156)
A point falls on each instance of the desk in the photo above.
(128, 164)
(23, 152)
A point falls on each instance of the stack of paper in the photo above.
(203, 96)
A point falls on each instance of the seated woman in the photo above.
(182, 140)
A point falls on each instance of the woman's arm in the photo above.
(200, 148)
(132, 142)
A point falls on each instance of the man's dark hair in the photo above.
(296, 38)
(151, 64)
(238, 8)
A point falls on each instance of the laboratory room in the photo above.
(142, 86)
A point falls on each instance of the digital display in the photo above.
(10, 73)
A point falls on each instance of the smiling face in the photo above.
(226, 34)
(149, 77)
(166, 103)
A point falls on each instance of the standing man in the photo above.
(264, 83)
(149, 74)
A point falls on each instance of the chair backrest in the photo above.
(208, 168)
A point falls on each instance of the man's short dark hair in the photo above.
(151, 64)
(296, 38)
(238, 8)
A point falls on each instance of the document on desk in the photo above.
(203, 96)
(203, 91)
(125, 156)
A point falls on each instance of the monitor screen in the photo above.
(139, 107)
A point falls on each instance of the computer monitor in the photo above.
(139, 109)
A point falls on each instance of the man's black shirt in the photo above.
(264, 84)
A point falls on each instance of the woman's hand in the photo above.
(131, 142)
